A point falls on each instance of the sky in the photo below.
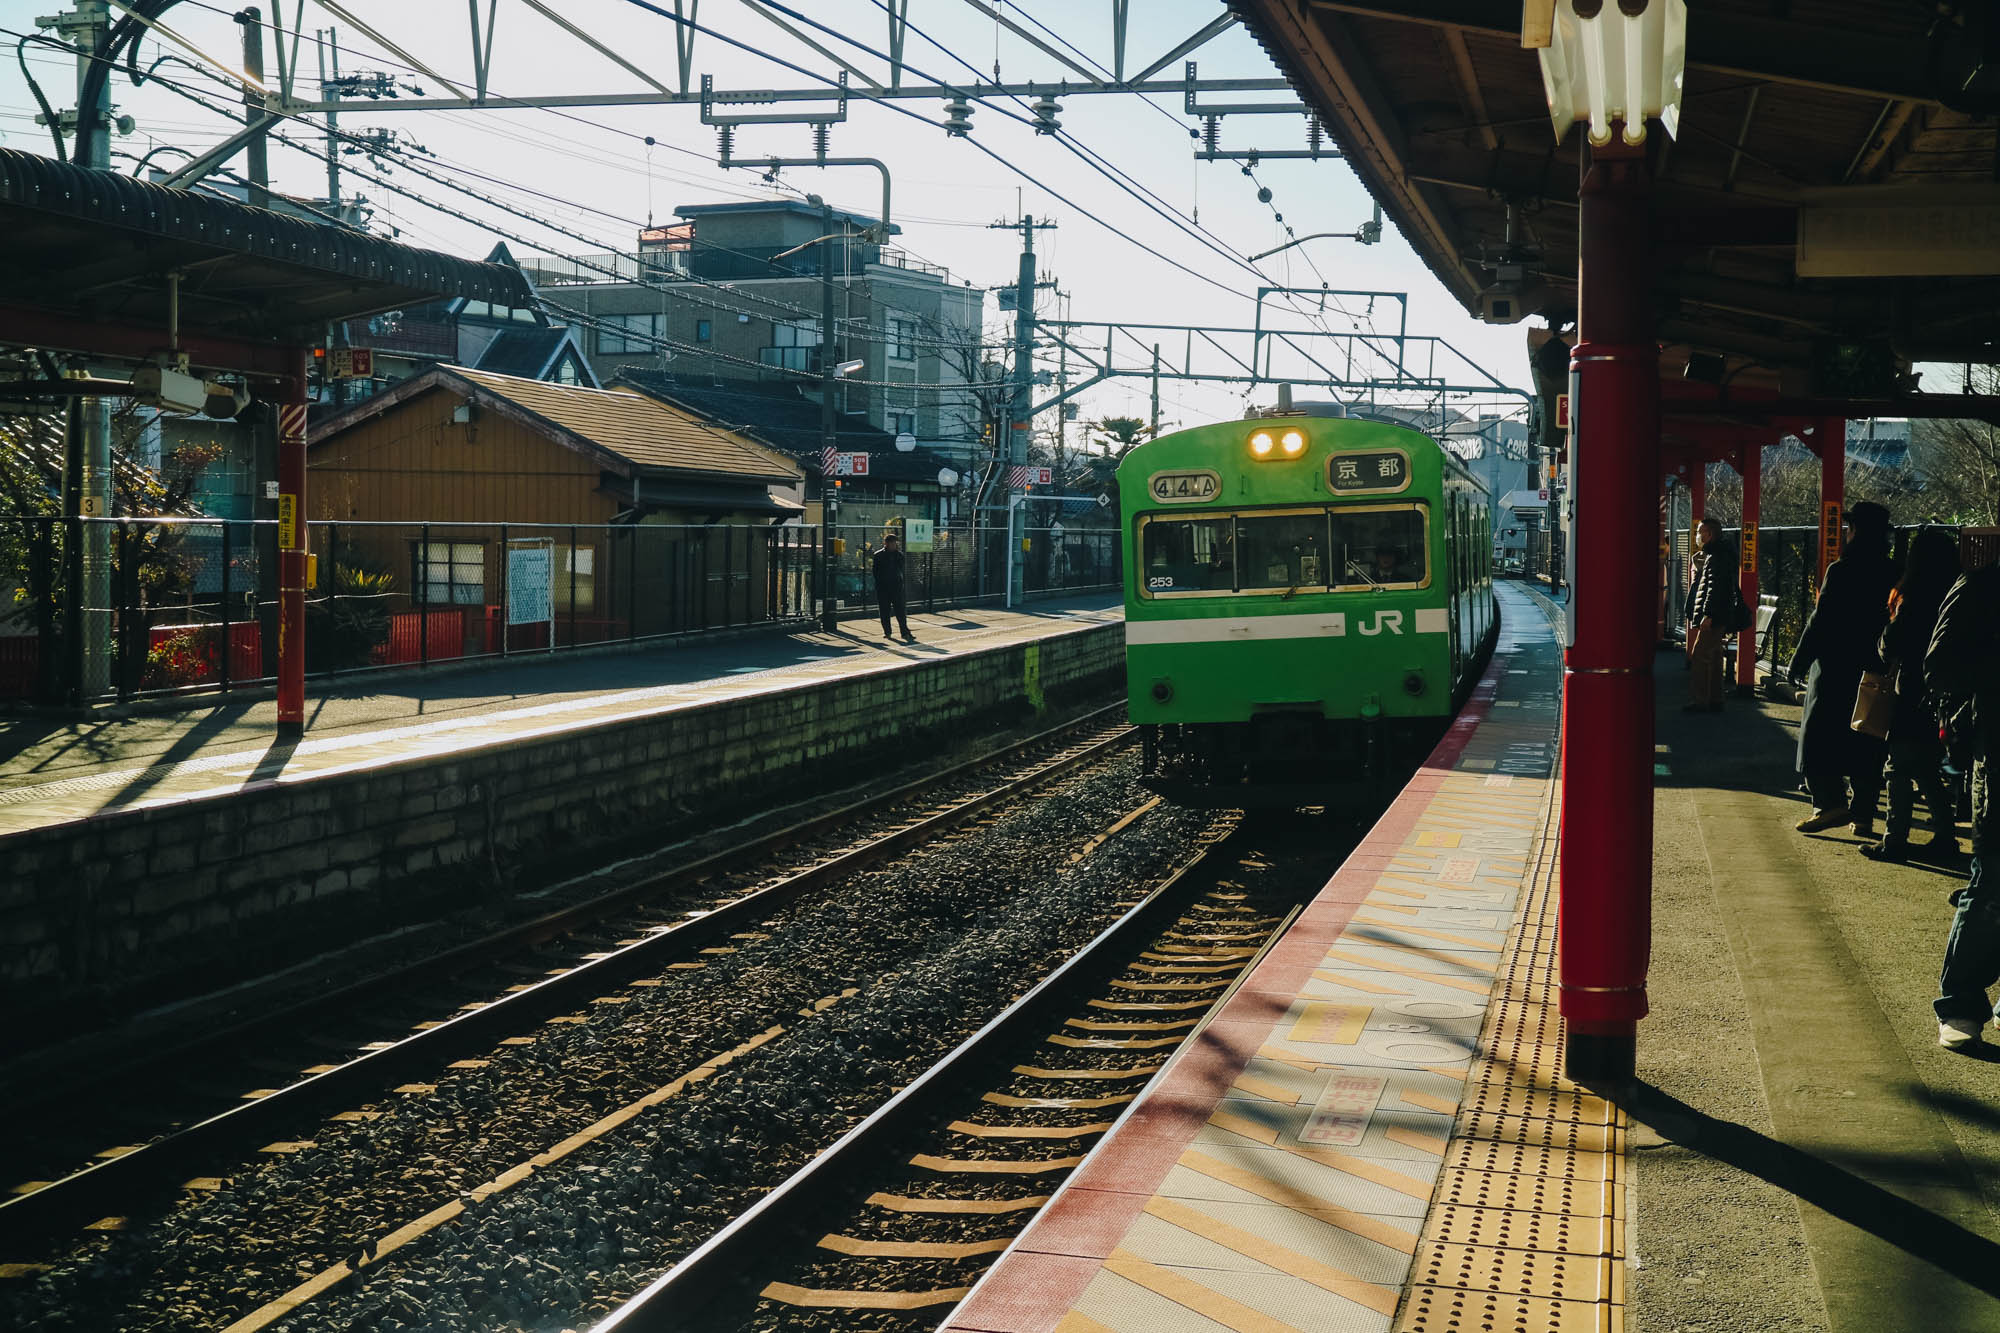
(590, 171)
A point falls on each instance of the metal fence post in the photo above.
(228, 637)
(424, 607)
(121, 617)
(572, 585)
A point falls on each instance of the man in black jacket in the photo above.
(1838, 644)
(1962, 673)
(889, 585)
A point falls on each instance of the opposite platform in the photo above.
(53, 772)
(1372, 1132)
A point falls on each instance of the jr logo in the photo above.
(1385, 621)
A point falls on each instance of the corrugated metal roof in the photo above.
(632, 426)
(280, 276)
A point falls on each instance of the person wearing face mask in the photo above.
(1711, 598)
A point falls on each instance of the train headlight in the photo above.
(1293, 443)
(1163, 691)
(1261, 444)
(1413, 684)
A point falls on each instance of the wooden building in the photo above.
(653, 520)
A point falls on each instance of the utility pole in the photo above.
(829, 487)
(1021, 397)
(87, 615)
(1156, 392)
(329, 91)
(253, 105)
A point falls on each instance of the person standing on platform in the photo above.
(1916, 756)
(889, 598)
(1837, 646)
(1711, 598)
(1962, 672)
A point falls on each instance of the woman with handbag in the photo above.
(1916, 756)
(1712, 602)
(1837, 646)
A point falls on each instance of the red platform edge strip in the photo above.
(1064, 1247)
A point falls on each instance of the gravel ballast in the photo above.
(931, 945)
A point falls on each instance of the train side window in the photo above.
(1380, 546)
(1188, 554)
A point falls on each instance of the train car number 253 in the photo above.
(1183, 487)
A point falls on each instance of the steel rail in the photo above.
(37, 1080)
(728, 1265)
(88, 1194)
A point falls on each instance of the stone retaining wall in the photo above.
(133, 902)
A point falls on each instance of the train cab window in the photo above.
(1380, 546)
(1188, 554)
(1282, 551)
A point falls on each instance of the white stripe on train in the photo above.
(1254, 629)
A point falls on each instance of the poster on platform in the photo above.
(530, 585)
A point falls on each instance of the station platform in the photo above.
(1371, 1132)
(54, 772)
(1374, 1133)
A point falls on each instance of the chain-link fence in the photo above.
(119, 608)
(967, 566)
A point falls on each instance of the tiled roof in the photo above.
(634, 427)
(523, 352)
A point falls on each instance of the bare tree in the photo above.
(1958, 462)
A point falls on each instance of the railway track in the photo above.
(890, 1227)
(728, 901)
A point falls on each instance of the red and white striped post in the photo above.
(292, 553)
(1606, 860)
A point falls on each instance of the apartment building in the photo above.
(731, 296)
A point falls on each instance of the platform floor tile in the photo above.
(1133, 1296)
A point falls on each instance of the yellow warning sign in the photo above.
(288, 522)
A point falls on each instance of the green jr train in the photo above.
(1308, 601)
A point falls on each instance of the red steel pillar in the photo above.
(1830, 433)
(1751, 464)
(1606, 863)
(292, 552)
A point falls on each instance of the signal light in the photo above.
(1260, 444)
(1293, 443)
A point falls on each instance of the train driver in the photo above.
(1393, 566)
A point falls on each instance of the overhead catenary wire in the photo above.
(863, 330)
(1090, 157)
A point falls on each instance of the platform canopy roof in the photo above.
(88, 257)
(1442, 114)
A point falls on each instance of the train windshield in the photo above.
(1380, 546)
(1189, 555)
(1282, 551)
(1342, 548)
